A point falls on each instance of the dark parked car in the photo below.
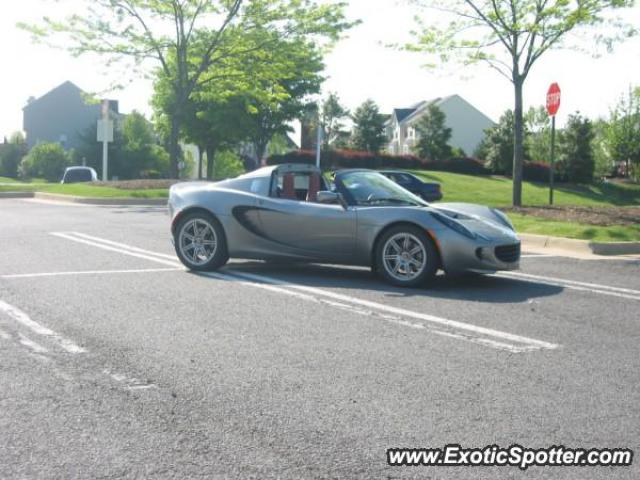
(79, 174)
(428, 191)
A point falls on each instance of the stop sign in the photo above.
(553, 99)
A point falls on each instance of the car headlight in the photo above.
(454, 225)
(503, 219)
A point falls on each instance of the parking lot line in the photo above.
(68, 236)
(573, 285)
(24, 319)
(452, 324)
(459, 330)
(30, 344)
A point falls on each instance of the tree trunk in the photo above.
(518, 142)
(211, 152)
(174, 146)
(261, 148)
(200, 158)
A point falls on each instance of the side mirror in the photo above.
(324, 196)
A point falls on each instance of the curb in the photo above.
(16, 194)
(101, 201)
(580, 246)
(87, 200)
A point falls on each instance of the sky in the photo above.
(359, 67)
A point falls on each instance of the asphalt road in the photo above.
(117, 363)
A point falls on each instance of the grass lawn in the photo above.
(554, 228)
(83, 190)
(487, 190)
(496, 192)
(21, 182)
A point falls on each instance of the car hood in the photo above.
(479, 219)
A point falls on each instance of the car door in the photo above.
(321, 231)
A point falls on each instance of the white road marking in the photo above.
(68, 236)
(4, 335)
(461, 330)
(452, 324)
(22, 318)
(236, 277)
(36, 347)
(130, 382)
(573, 285)
(89, 272)
(125, 246)
(536, 255)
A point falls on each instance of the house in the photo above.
(466, 122)
(62, 116)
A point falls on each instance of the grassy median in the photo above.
(497, 191)
(486, 190)
(85, 190)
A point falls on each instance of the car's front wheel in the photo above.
(200, 242)
(405, 256)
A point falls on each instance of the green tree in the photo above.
(604, 164)
(140, 154)
(497, 145)
(433, 135)
(282, 96)
(134, 153)
(332, 116)
(11, 153)
(185, 39)
(538, 134)
(368, 128)
(576, 150)
(46, 160)
(510, 36)
(623, 135)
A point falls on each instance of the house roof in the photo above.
(63, 86)
(402, 113)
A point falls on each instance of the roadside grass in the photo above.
(487, 190)
(496, 192)
(581, 231)
(83, 190)
(21, 181)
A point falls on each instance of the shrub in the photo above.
(354, 159)
(10, 157)
(539, 172)
(47, 160)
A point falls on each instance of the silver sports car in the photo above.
(360, 217)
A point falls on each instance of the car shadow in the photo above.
(474, 288)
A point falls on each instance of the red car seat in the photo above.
(314, 187)
(288, 187)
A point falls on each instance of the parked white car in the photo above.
(79, 174)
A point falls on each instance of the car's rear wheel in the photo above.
(405, 256)
(200, 242)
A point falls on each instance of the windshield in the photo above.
(373, 189)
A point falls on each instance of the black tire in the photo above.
(210, 259)
(428, 254)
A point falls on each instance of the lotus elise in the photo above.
(358, 217)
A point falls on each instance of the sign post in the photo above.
(105, 135)
(553, 104)
(318, 143)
